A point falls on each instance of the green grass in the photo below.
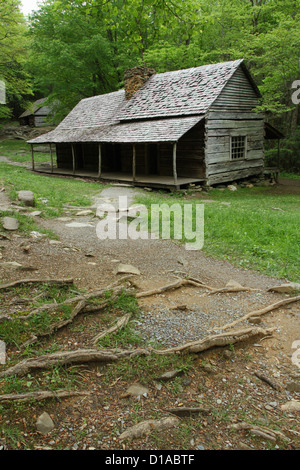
(17, 331)
(20, 151)
(51, 193)
(27, 224)
(257, 230)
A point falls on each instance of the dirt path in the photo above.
(226, 385)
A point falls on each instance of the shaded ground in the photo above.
(223, 382)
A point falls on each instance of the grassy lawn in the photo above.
(250, 227)
(20, 151)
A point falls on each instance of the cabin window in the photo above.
(238, 147)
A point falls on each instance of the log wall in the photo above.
(232, 114)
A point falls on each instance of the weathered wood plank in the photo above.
(232, 165)
(230, 114)
(233, 175)
(234, 124)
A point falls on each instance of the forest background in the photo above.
(69, 50)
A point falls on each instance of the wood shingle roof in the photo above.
(163, 110)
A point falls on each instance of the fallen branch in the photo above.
(40, 395)
(93, 355)
(257, 313)
(36, 281)
(119, 324)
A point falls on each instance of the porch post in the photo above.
(51, 156)
(32, 156)
(174, 163)
(73, 158)
(100, 160)
(133, 162)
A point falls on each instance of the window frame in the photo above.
(244, 156)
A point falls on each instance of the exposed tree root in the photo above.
(93, 355)
(41, 395)
(260, 431)
(218, 340)
(257, 313)
(119, 324)
(270, 382)
(174, 285)
(36, 281)
(56, 326)
(62, 358)
(84, 297)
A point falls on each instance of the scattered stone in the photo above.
(27, 197)
(234, 284)
(13, 264)
(26, 248)
(169, 375)
(89, 254)
(292, 405)
(44, 423)
(54, 242)
(78, 225)
(293, 387)
(3, 445)
(255, 320)
(33, 213)
(126, 269)
(10, 223)
(136, 390)
(231, 187)
(35, 234)
(227, 354)
(85, 212)
(288, 288)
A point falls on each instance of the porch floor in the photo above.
(153, 181)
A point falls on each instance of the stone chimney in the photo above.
(135, 78)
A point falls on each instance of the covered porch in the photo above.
(163, 164)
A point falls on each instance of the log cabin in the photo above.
(37, 115)
(165, 130)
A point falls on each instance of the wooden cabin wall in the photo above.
(190, 155)
(233, 114)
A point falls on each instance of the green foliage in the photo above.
(12, 57)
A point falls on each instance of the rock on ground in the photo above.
(27, 197)
(44, 423)
(10, 223)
